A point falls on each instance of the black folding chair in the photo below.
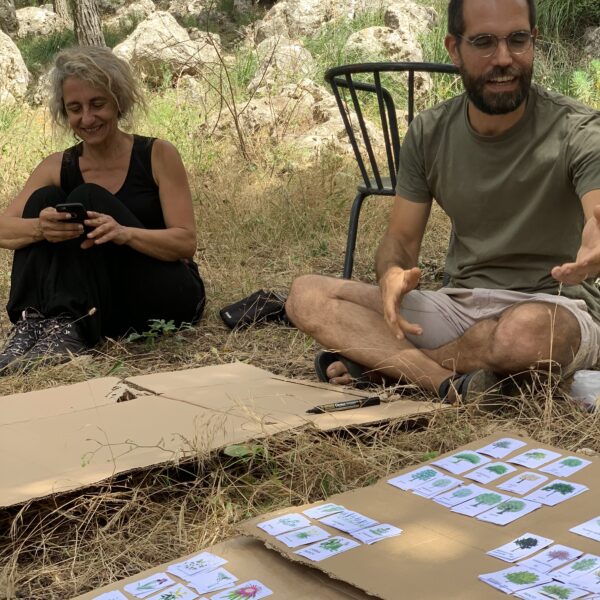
(346, 81)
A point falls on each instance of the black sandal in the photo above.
(358, 373)
(479, 386)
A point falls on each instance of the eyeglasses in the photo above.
(486, 44)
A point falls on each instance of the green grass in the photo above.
(567, 18)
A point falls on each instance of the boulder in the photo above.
(38, 21)
(383, 43)
(408, 16)
(14, 76)
(280, 61)
(159, 42)
(200, 11)
(109, 7)
(130, 15)
(591, 41)
(8, 17)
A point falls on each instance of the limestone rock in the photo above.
(384, 43)
(14, 76)
(406, 15)
(591, 40)
(38, 21)
(129, 15)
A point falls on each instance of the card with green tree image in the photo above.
(501, 448)
(552, 558)
(437, 486)
(461, 462)
(349, 521)
(554, 589)
(327, 548)
(508, 511)
(301, 537)
(284, 523)
(413, 479)
(589, 582)
(556, 491)
(491, 472)
(201, 563)
(523, 482)
(218, 579)
(520, 547)
(515, 579)
(323, 510)
(574, 570)
(534, 458)
(459, 495)
(480, 503)
(589, 529)
(566, 466)
(376, 533)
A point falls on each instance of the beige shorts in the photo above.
(447, 313)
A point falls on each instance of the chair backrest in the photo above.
(347, 82)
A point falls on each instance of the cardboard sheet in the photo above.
(69, 437)
(249, 559)
(440, 554)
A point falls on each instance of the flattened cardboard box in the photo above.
(69, 437)
(440, 554)
(249, 559)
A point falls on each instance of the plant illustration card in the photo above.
(145, 587)
(523, 546)
(523, 482)
(480, 503)
(459, 495)
(462, 461)
(201, 563)
(250, 590)
(552, 558)
(409, 481)
(508, 511)
(566, 466)
(534, 459)
(589, 582)
(438, 486)
(515, 579)
(116, 595)
(349, 521)
(322, 550)
(502, 448)
(490, 472)
(370, 535)
(582, 566)
(306, 535)
(177, 592)
(589, 529)
(554, 589)
(213, 581)
(284, 524)
(318, 512)
(556, 492)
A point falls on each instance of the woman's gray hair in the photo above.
(100, 68)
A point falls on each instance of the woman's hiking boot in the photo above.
(25, 333)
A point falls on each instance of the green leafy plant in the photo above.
(498, 469)
(535, 455)
(157, 329)
(558, 555)
(583, 565)
(522, 577)
(555, 590)
(561, 488)
(488, 499)
(571, 462)
(524, 543)
(439, 483)
(467, 456)
(331, 545)
(425, 475)
(510, 506)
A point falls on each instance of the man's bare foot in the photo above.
(338, 373)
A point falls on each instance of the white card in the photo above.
(306, 535)
(459, 495)
(502, 448)
(461, 462)
(409, 481)
(551, 558)
(582, 566)
(480, 503)
(145, 587)
(566, 466)
(523, 482)
(284, 523)
(318, 512)
(201, 563)
(177, 592)
(520, 547)
(213, 581)
(490, 472)
(508, 511)
(535, 458)
(589, 529)
(556, 491)
(349, 521)
(115, 595)
(331, 547)
(554, 589)
(515, 579)
(251, 590)
(438, 486)
(370, 535)
(589, 582)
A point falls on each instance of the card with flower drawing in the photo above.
(306, 535)
(324, 510)
(213, 581)
(201, 563)
(331, 547)
(250, 590)
(177, 592)
(115, 595)
(552, 558)
(149, 585)
(284, 523)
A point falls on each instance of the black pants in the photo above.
(126, 287)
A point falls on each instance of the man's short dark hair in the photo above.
(456, 21)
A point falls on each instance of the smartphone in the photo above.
(77, 210)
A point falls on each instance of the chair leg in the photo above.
(352, 230)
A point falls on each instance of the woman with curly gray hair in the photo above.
(103, 232)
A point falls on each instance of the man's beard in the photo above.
(496, 103)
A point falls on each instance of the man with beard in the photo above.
(517, 169)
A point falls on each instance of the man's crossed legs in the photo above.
(463, 330)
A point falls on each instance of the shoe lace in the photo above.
(23, 334)
(58, 331)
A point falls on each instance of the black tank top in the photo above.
(139, 192)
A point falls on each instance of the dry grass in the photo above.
(260, 225)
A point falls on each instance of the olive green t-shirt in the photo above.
(514, 199)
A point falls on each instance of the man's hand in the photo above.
(587, 263)
(395, 283)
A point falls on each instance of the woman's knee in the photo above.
(49, 195)
(92, 196)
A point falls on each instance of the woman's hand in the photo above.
(104, 229)
(54, 228)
